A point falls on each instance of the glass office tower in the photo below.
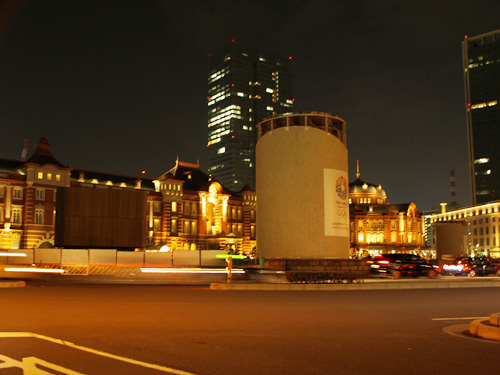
(481, 60)
(244, 86)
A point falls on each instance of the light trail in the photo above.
(32, 269)
(13, 255)
(189, 270)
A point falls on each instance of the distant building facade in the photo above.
(244, 86)
(480, 233)
(378, 227)
(481, 62)
(186, 208)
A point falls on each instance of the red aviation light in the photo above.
(289, 57)
(466, 36)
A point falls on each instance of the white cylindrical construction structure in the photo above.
(302, 187)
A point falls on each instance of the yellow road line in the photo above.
(466, 318)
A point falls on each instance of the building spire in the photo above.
(357, 169)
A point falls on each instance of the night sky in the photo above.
(121, 86)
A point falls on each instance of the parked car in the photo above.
(471, 266)
(399, 265)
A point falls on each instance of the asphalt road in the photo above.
(173, 329)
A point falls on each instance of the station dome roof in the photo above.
(361, 192)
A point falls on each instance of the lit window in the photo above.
(156, 225)
(481, 161)
(49, 176)
(40, 175)
(174, 206)
(221, 150)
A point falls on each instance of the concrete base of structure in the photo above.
(486, 328)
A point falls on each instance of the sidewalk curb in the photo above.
(12, 284)
(360, 286)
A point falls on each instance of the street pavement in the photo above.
(79, 328)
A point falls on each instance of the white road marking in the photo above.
(466, 318)
(94, 351)
(29, 366)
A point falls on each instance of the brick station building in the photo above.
(186, 208)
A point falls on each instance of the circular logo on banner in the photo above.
(341, 187)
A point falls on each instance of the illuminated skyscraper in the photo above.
(244, 86)
(481, 59)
